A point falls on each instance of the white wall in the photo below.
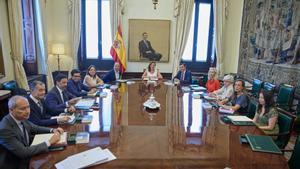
(5, 38)
(232, 35)
(58, 32)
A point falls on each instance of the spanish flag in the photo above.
(117, 50)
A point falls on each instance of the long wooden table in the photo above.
(179, 135)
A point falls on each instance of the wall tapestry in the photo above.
(270, 41)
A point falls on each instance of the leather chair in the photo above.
(285, 123)
(252, 107)
(294, 161)
(269, 87)
(285, 97)
(14, 88)
(256, 87)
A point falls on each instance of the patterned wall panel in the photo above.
(270, 41)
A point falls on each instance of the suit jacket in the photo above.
(77, 88)
(111, 76)
(143, 47)
(15, 153)
(37, 116)
(187, 77)
(54, 101)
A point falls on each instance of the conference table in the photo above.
(181, 134)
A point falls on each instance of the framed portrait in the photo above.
(149, 40)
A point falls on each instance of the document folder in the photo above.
(262, 144)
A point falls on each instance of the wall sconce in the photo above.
(58, 49)
(155, 2)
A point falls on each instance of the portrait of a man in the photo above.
(149, 40)
(146, 49)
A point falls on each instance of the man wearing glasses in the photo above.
(75, 86)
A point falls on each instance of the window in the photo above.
(199, 47)
(96, 40)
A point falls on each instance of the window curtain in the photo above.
(16, 40)
(75, 28)
(41, 25)
(219, 23)
(116, 9)
(183, 12)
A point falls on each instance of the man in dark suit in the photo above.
(146, 49)
(39, 114)
(113, 74)
(183, 75)
(58, 99)
(76, 87)
(17, 134)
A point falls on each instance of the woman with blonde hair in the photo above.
(212, 83)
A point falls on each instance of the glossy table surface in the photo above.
(181, 134)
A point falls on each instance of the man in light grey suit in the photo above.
(17, 134)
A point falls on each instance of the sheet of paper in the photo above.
(40, 138)
(83, 159)
(239, 118)
(109, 155)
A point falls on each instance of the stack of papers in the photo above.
(239, 118)
(84, 104)
(87, 119)
(82, 137)
(87, 158)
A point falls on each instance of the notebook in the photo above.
(226, 111)
(241, 120)
(40, 138)
(262, 144)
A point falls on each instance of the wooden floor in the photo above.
(290, 146)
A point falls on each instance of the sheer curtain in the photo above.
(41, 25)
(16, 29)
(116, 9)
(75, 28)
(183, 12)
(219, 22)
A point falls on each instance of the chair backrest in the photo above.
(294, 161)
(256, 87)
(269, 86)
(252, 107)
(14, 88)
(285, 97)
(285, 123)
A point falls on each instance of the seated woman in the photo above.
(226, 91)
(239, 100)
(212, 83)
(266, 115)
(151, 73)
(91, 79)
